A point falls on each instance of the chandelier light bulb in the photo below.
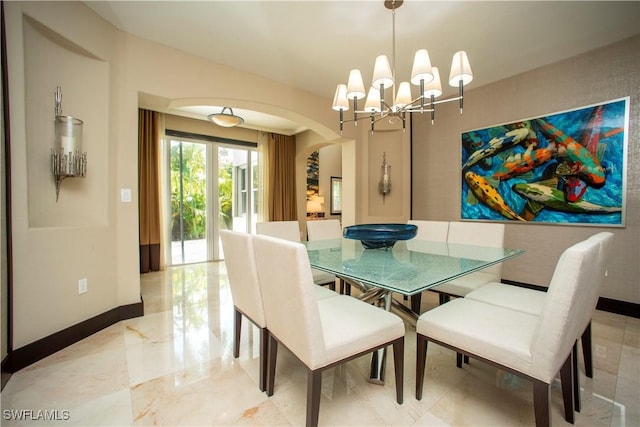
(340, 101)
(434, 88)
(355, 85)
(460, 69)
(373, 101)
(421, 68)
(403, 98)
(382, 72)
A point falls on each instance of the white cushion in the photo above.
(514, 297)
(350, 326)
(474, 234)
(496, 333)
(323, 292)
(322, 277)
(435, 231)
(324, 229)
(288, 230)
(465, 284)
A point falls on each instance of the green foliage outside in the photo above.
(194, 191)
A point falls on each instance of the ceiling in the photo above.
(312, 45)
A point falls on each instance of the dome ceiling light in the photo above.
(227, 120)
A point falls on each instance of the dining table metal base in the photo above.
(384, 299)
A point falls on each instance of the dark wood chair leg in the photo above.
(466, 359)
(576, 378)
(332, 286)
(237, 326)
(459, 360)
(421, 361)
(345, 287)
(264, 355)
(541, 391)
(443, 298)
(416, 302)
(566, 380)
(271, 364)
(398, 363)
(314, 387)
(586, 351)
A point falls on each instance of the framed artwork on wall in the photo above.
(336, 195)
(562, 168)
(313, 174)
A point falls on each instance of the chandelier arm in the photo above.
(414, 108)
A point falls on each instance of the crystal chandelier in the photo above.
(422, 74)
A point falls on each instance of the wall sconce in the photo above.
(67, 158)
(314, 206)
(385, 182)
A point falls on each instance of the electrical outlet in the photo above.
(82, 286)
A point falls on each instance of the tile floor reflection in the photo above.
(175, 367)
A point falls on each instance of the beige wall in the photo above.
(56, 244)
(89, 233)
(601, 75)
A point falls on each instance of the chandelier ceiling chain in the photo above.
(384, 76)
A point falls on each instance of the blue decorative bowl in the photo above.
(380, 236)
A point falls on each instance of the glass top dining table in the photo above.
(410, 267)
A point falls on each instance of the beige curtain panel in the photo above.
(149, 190)
(282, 178)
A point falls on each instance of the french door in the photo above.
(211, 186)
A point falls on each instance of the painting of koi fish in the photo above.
(554, 199)
(582, 162)
(520, 163)
(496, 145)
(561, 168)
(487, 194)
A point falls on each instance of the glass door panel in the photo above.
(188, 202)
(237, 189)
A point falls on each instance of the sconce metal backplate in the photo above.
(385, 181)
(67, 158)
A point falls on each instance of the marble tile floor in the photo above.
(174, 367)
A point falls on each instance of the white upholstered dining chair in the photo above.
(532, 301)
(475, 234)
(290, 230)
(324, 229)
(433, 231)
(530, 346)
(314, 330)
(245, 292)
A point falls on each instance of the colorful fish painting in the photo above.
(489, 196)
(582, 162)
(563, 168)
(496, 145)
(554, 199)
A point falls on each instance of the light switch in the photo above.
(125, 195)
